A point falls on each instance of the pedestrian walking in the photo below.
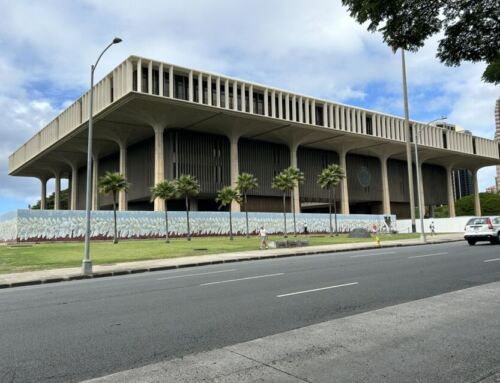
(433, 228)
(263, 238)
(305, 228)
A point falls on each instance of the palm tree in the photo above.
(113, 183)
(164, 190)
(298, 178)
(283, 181)
(245, 183)
(329, 179)
(187, 186)
(225, 197)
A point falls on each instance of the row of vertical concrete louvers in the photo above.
(335, 116)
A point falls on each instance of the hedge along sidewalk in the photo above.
(74, 273)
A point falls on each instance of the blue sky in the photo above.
(311, 47)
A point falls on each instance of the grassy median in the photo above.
(29, 257)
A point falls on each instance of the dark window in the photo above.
(111, 90)
(196, 97)
(319, 115)
(166, 83)
(144, 85)
(222, 95)
(181, 87)
(473, 145)
(411, 133)
(445, 140)
(156, 81)
(369, 125)
(258, 106)
(269, 107)
(134, 80)
(214, 93)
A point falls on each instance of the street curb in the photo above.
(105, 274)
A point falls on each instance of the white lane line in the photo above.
(492, 260)
(426, 255)
(242, 279)
(194, 275)
(313, 290)
(370, 255)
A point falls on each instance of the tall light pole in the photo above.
(420, 191)
(408, 145)
(87, 263)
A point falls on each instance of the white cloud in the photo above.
(313, 48)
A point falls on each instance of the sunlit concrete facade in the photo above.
(154, 120)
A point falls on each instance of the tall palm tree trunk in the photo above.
(335, 209)
(230, 224)
(330, 210)
(284, 213)
(187, 220)
(292, 200)
(246, 214)
(115, 235)
(167, 239)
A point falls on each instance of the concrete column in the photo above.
(294, 108)
(243, 100)
(363, 122)
(95, 181)
(301, 111)
(344, 191)
(451, 199)
(250, 98)
(150, 77)
(273, 103)
(200, 88)
(234, 167)
(226, 94)
(293, 163)
(386, 196)
(190, 86)
(160, 80)
(74, 187)
(159, 171)
(217, 92)
(477, 202)
(287, 106)
(139, 75)
(306, 117)
(43, 194)
(325, 115)
(337, 117)
(122, 196)
(171, 81)
(235, 95)
(209, 90)
(266, 103)
(57, 190)
(280, 105)
(342, 118)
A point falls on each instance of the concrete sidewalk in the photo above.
(74, 273)
(449, 338)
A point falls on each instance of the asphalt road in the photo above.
(78, 330)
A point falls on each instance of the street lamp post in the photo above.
(408, 144)
(87, 263)
(420, 190)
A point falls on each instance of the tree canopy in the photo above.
(490, 204)
(471, 28)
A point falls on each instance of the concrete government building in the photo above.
(155, 120)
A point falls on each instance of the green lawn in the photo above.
(20, 258)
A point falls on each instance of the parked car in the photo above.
(482, 229)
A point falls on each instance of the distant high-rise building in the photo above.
(497, 137)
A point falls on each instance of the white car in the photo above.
(482, 229)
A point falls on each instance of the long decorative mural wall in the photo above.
(63, 225)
